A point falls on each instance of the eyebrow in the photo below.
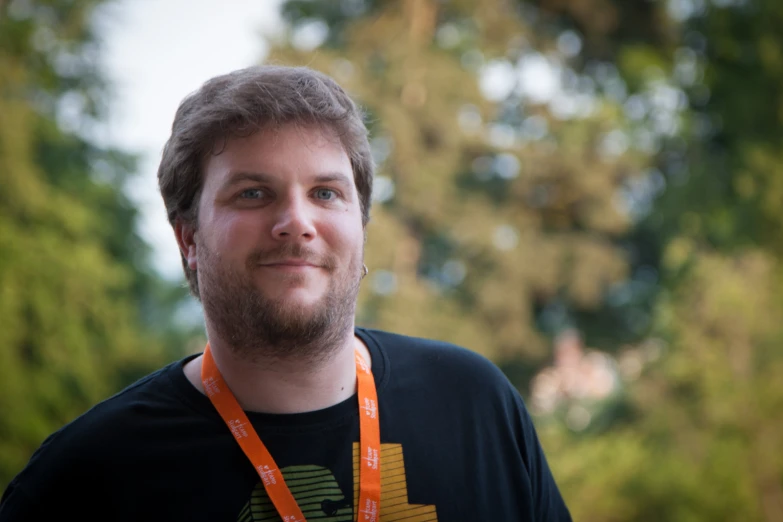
(260, 177)
(239, 177)
(331, 177)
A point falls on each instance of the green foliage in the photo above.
(648, 212)
(691, 261)
(75, 282)
(706, 418)
(700, 446)
(496, 220)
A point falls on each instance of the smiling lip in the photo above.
(290, 264)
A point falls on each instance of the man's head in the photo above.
(267, 180)
(241, 103)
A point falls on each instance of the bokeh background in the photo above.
(588, 192)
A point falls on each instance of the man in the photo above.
(291, 412)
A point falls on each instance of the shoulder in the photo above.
(407, 349)
(440, 362)
(82, 446)
(107, 416)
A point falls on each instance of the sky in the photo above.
(155, 53)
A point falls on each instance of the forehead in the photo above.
(285, 149)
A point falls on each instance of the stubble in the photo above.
(260, 328)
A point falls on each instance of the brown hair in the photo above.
(241, 103)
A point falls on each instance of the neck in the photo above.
(285, 385)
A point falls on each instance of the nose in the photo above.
(293, 220)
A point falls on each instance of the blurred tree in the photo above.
(704, 437)
(507, 209)
(498, 217)
(703, 443)
(81, 310)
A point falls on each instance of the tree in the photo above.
(700, 444)
(76, 289)
(497, 220)
(684, 134)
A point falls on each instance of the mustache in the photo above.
(290, 251)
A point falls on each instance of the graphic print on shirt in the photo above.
(320, 498)
(315, 490)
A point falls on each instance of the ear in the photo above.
(186, 239)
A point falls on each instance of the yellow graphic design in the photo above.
(315, 490)
(394, 488)
(320, 498)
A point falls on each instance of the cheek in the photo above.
(235, 233)
(346, 237)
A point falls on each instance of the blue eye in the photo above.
(325, 194)
(251, 194)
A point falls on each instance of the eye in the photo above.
(325, 194)
(251, 194)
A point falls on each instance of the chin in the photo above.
(283, 283)
(297, 296)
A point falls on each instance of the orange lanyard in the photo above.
(244, 433)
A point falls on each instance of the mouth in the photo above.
(291, 265)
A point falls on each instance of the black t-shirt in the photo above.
(457, 445)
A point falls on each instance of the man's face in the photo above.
(279, 244)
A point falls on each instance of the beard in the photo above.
(258, 327)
